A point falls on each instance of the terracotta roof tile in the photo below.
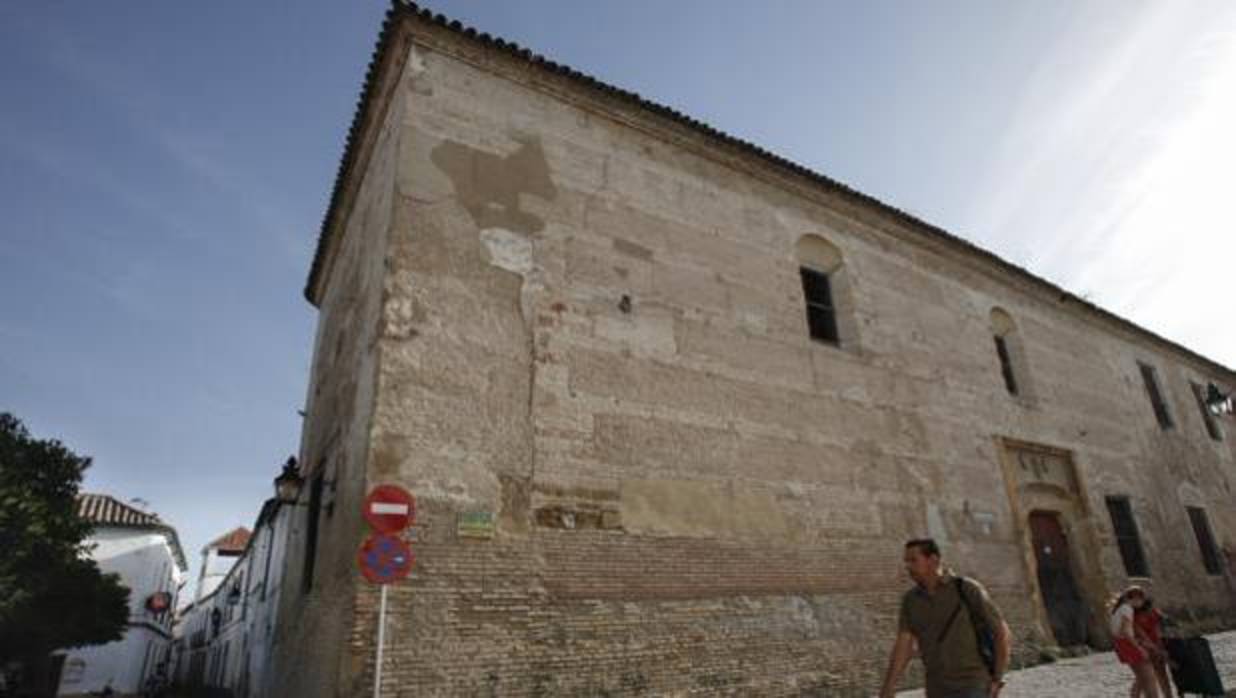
(234, 541)
(106, 510)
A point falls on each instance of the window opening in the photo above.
(1006, 365)
(821, 314)
(1127, 537)
(1151, 378)
(1205, 540)
(311, 534)
(1212, 427)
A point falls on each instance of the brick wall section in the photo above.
(691, 496)
(539, 618)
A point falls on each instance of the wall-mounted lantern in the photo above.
(289, 482)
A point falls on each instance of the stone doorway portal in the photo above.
(1049, 504)
(1066, 611)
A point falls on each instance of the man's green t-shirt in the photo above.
(952, 661)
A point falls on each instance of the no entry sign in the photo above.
(390, 509)
(385, 559)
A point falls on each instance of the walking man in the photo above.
(959, 632)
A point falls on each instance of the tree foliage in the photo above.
(51, 594)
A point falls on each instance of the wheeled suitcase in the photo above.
(1193, 666)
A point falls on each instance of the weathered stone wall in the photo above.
(592, 328)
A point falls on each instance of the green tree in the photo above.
(52, 595)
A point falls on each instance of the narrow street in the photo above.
(1099, 675)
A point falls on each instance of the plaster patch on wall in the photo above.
(416, 61)
(702, 509)
(512, 252)
(414, 72)
(935, 524)
(508, 250)
(490, 187)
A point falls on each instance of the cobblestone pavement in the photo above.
(1099, 675)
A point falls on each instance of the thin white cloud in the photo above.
(1179, 226)
(1113, 182)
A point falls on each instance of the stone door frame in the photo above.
(1061, 488)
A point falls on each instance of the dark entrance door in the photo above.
(1066, 611)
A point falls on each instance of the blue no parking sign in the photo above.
(384, 559)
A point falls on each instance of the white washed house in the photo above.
(224, 638)
(146, 553)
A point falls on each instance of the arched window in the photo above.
(1010, 353)
(826, 291)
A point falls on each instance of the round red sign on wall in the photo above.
(390, 509)
(158, 602)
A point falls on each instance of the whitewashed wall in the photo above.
(236, 654)
(146, 565)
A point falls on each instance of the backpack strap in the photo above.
(982, 629)
(976, 618)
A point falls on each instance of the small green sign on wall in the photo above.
(475, 524)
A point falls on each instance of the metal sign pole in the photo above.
(377, 674)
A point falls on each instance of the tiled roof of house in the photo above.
(402, 10)
(106, 511)
(234, 541)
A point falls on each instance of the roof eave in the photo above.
(351, 146)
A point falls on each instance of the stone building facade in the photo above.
(671, 405)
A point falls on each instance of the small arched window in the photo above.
(1009, 352)
(825, 290)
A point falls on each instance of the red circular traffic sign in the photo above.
(390, 509)
(158, 602)
(385, 559)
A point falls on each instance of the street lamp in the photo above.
(289, 482)
(1218, 402)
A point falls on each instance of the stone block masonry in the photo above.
(545, 302)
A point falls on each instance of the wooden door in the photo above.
(1066, 611)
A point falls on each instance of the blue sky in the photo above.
(164, 167)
